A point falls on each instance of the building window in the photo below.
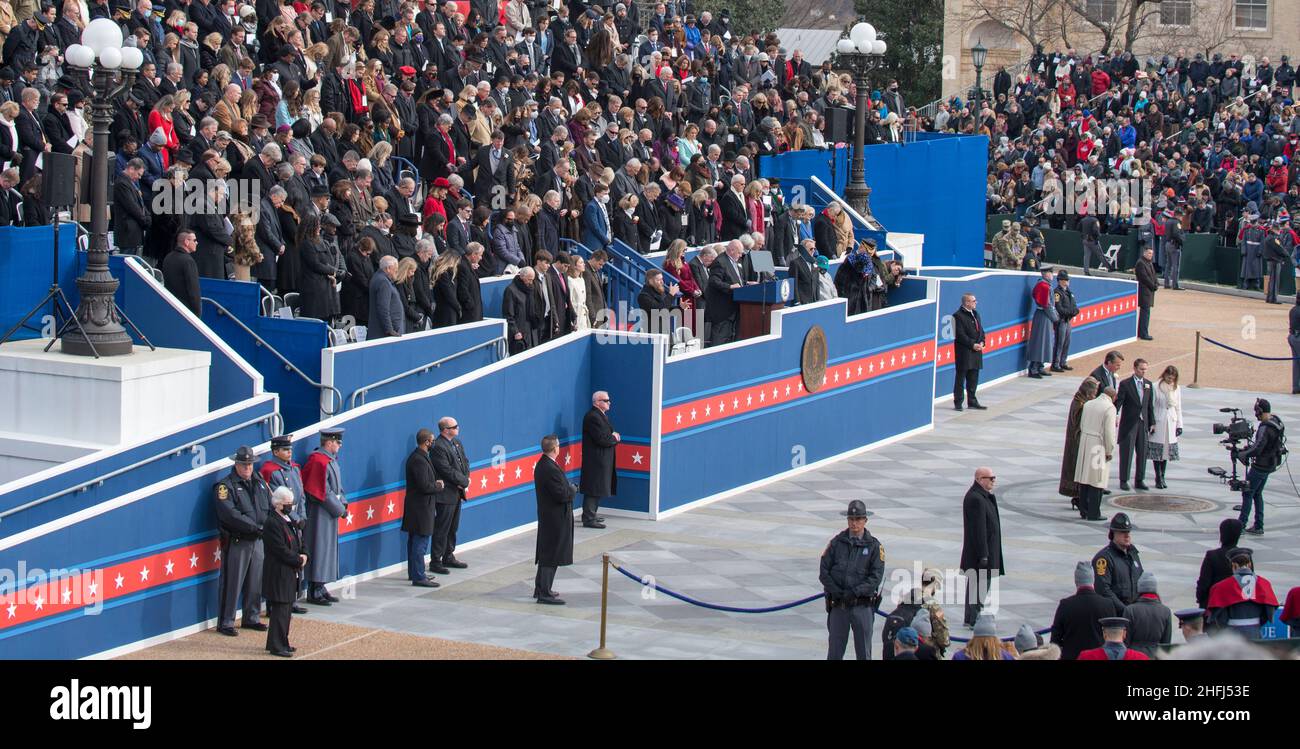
(1252, 14)
(1176, 13)
(1102, 10)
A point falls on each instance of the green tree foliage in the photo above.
(913, 31)
(752, 16)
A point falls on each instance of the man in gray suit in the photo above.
(387, 318)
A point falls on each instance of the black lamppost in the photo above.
(112, 70)
(861, 52)
(978, 54)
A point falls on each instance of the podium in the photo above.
(756, 302)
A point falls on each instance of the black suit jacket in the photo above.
(1077, 625)
(1103, 378)
(130, 217)
(803, 271)
(468, 294)
(450, 465)
(720, 304)
(735, 220)
(1136, 410)
(418, 512)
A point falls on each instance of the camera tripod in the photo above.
(60, 308)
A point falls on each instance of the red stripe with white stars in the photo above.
(1014, 335)
(775, 392)
(93, 587)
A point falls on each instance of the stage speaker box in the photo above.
(58, 180)
(839, 124)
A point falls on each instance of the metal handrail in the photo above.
(260, 341)
(172, 452)
(586, 252)
(498, 343)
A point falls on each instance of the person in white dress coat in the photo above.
(1162, 444)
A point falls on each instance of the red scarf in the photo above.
(358, 93)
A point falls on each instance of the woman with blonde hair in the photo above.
(10, 154)
(675, 266)
(446, 306)
(171, 46)
(405, 282)
(312, 58)
(578, 292)
(381, 167)
(372, 81)
(1167, 402)
(210, 54)
(985, 645)
(163, 116)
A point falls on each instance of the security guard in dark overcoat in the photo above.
(852, 569)
(1066, 309)
(1117, 567)
(243, 502)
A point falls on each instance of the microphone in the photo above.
(1226, 410)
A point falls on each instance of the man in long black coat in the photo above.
(468, 292)
(1077, 624)
(520, 312)
(451, 468)
(419, 510)
(967, 352)
(981, 551)
(181, 275)
(281, 567)
(599, 477)
(554, 520)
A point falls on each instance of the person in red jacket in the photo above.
(1100, 81)
(1291, 611)
(1277, 178)
(1243, 602)
(1113, 648)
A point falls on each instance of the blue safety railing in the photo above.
(621, 288)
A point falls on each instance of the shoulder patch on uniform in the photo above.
(1100, 566)
(222, 492)
(1058, 296)
(882, 552)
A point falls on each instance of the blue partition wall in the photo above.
(1107, 315)
(26, 270)
(627, 366)
(737, 415)
(934, 186)
(357, 365)
(299, 340)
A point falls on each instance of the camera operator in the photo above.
(1263, 456)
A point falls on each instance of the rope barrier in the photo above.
(715, 606)
(1245, 353)
(649, 583)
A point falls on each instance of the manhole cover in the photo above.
(1162, 503)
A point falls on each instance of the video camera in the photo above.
(1235, 431)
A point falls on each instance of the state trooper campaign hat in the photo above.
(857, 509)
(1121, 522)
(244, 455)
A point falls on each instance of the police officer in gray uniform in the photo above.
(1117, 568)
(243, 503)
(852, 569)
(280, 470)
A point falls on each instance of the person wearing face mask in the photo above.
(597, 231)
(282, 568)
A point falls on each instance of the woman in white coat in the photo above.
(1162, 444)
(1097, 441)
(578, 293)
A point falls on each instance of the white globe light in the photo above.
(110, 58)
(132, 58)
(101, 34)
(846, 47)
(878, 47)
(863, 32)
(865, 46)
(79, 55)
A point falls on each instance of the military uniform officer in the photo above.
(1019, 247)
(280, 470)
(324, 487)
(1191, 622)
(852, 568)
(1113, 629)
(1002, 248)
(1117, 568)
(1066, 309)
(243, 503)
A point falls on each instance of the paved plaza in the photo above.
(761, 547)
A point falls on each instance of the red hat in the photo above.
(406, 70)
(441, 182)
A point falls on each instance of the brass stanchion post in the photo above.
(1196, 363)
(603, 653)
